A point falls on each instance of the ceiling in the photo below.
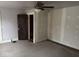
(17, 4)
(31, 4)
(61, 4)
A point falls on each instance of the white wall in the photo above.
(0, 28)
(9, 23)
(54, 24)
(42, 23)
(64, 26)
(71, 28)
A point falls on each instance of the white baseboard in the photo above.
(6, 41)
(64, 44)
(40, 40)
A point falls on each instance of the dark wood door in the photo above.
(23, 27)
(31, 28)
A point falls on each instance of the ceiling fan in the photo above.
(40, 5)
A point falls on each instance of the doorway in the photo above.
(22, 26)
(31, 27)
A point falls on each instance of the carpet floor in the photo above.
(25, 48)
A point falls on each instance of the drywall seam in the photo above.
(48, 27)
(63, 24)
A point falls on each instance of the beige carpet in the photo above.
(24, 48)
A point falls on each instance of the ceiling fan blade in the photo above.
(40, 5)
(47, 6)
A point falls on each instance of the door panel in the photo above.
(23, 26)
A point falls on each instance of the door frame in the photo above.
(33, 26)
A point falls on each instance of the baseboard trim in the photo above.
(40, 41)
(6, 41)
(64, 45)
